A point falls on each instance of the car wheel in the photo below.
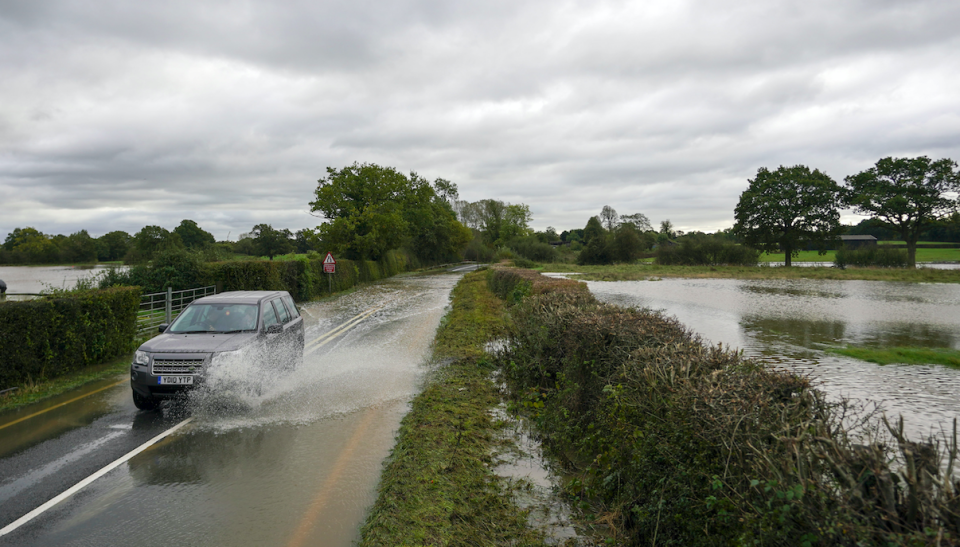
(144, 403)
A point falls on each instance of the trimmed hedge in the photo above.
(303, 278)
(48, 337)
(676, 442)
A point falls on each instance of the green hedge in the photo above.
(45, 338)
(303, 277)
(677, 442)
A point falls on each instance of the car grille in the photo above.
(177, 366)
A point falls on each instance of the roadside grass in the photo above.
(32, 392)
(634, 272)
(437, 487)
(909, 355)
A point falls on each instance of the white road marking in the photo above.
(80, 485)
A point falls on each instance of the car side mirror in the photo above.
(162, 327)
(274, 329)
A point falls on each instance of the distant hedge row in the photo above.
(303, 278)
(676, 442)
(48, 337)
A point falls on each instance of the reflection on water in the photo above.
(788, 323)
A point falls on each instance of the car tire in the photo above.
(145, 403)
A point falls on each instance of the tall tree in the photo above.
(113, 245)
(906, 195)
(78, 247)
(149, 241)
(270, 242)
(193, 236)
(362, 205)
(609, 218)
(783, 209)
(638, 220)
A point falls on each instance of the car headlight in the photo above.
(141, 358)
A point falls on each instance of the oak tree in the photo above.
(785, 209)
(906, 195)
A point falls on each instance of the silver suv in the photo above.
(215, 333)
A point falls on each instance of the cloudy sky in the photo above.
(117, 114)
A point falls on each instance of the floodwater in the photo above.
(33, 279)
(296, 465)
(788, 323)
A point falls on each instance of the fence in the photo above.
(163, 307)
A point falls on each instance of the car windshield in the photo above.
(216, 318)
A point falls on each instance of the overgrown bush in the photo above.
(877, 256)
(533, 249)
(706, 251)
(677, 442)
(48, 337)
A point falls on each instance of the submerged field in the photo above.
(634, 272)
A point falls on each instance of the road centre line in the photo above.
(61, 404)
(80, 485)
(344, 327)
(323, 496)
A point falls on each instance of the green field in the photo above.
(902, 355)
(923, 255)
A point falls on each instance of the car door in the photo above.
(273, 341)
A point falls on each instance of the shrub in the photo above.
(880, 257)
(48, 337)
(706, 251)
(533, 249)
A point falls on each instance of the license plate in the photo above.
(175, 380)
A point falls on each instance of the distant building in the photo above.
(857, 242)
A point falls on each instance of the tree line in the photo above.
(786, 209)
(30, 246)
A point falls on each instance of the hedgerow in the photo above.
(48, 337)
(677, 442)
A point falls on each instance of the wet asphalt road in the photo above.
(296, 465)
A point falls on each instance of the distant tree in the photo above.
(448, 193)
(471, 214)
(609, 218)
(626, 244)
(78, 247)
(149, 241)
(785, 209)
(270, 242)
(193, 236)
(433, 232)
(666, 230)
(113, 245)
(593, 230)
(906, 195)
(639, 221)
(31, 246)
(245, 245)
(304, 240)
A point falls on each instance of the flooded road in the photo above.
(788, 323)
(296, 465)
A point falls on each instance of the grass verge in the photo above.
(902, 355)
(32, 392)
(635, 272)
(438, 487)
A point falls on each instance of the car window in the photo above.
(282, 310)
(290, 306)
(215, 318)
(269, 315)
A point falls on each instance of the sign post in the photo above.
(330, 267)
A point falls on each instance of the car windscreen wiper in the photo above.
(193, 331)
(235, 331)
